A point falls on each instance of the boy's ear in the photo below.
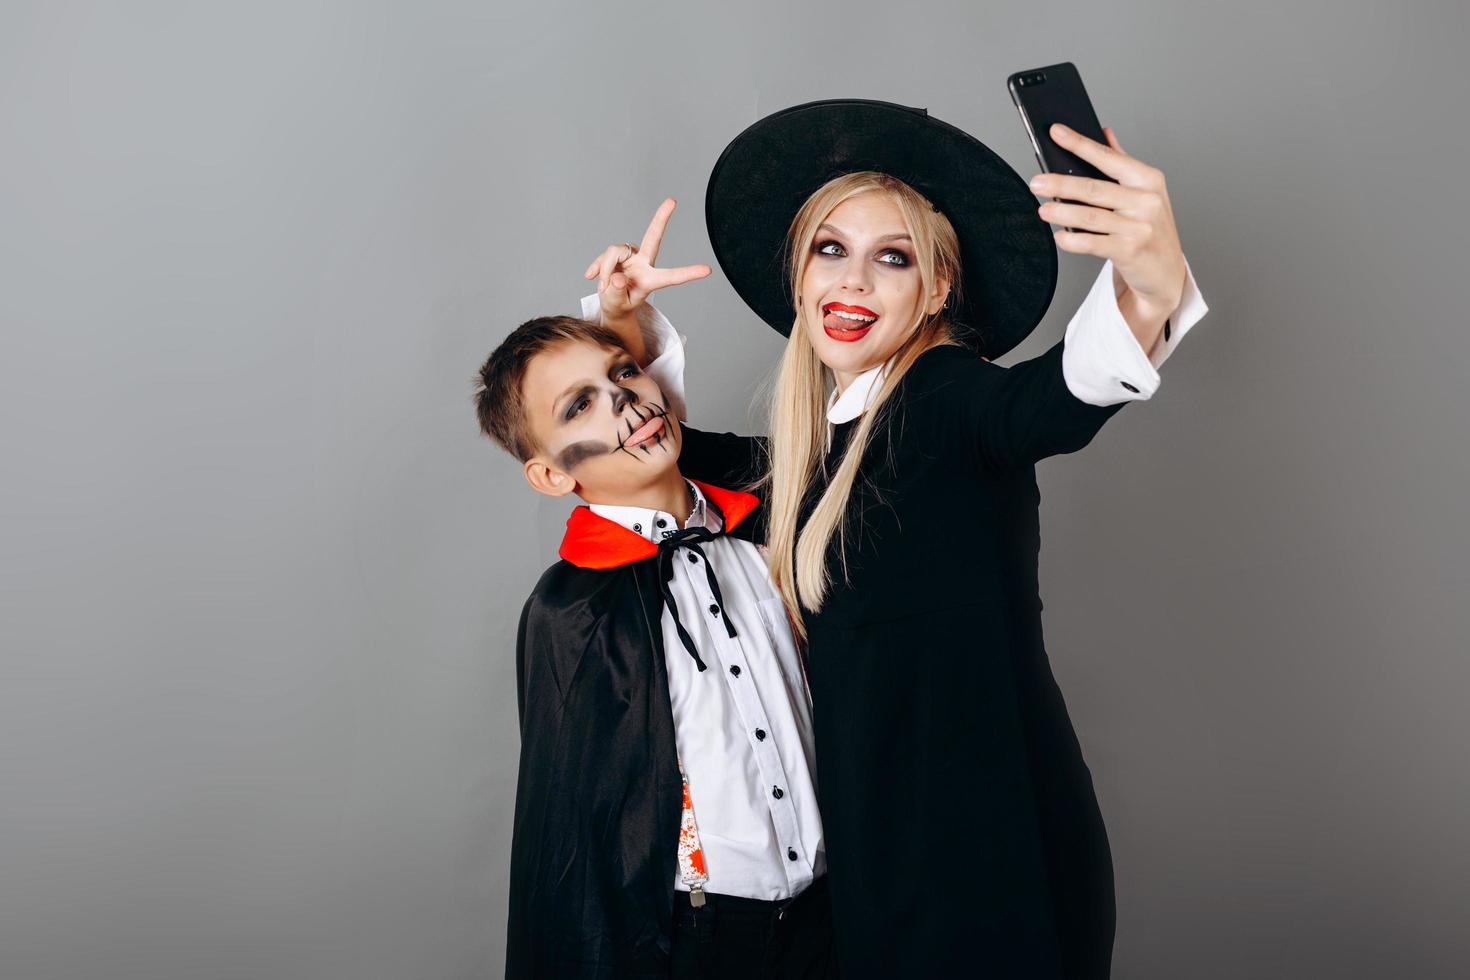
(547, 479)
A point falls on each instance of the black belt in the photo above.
(753, 907)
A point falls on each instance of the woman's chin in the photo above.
(852, 356)
(849, 358)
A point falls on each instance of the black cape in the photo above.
(963, 834)
(594, 848)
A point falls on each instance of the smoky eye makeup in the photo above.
(578, 402)
(904, 260)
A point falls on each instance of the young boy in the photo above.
(666, 821)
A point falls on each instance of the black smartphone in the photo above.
(1050, 95)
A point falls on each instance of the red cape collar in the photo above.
(593, 541)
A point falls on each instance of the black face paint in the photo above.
(579, 452)
(625, 396)
(655, 410)
(632, 429)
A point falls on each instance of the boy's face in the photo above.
(603, 426)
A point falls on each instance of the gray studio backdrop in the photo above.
(261, 574)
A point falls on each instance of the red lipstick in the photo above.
(847, 328)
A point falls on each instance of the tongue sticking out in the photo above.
(835, 322)
(645, 431)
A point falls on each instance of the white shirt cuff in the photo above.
(663, 346)
(1102, 361)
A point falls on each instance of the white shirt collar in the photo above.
(857, 396)
(656, 524)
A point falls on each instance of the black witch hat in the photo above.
(1007, 254)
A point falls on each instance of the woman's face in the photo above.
(861, 292)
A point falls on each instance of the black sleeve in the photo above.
(723, 458)
(537, 684)
(529, 813)
(521, 671)
(538, 704)
(1016, 416)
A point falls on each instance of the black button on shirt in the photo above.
(1166, 329)
(791, 854)
(714, 610)
(1130, 387)
(776, 792)
(735, 669)
(760, 734)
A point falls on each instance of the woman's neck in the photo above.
(842, 379)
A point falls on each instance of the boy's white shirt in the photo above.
(743, 726)
(1101, 358)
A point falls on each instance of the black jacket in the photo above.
(963, 835)
(598, 796)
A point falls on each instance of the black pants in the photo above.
(747, 939)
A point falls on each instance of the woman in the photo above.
(963, 836)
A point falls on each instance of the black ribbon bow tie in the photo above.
(689, 538)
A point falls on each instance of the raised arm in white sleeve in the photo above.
(1102, 362)
(664, 347)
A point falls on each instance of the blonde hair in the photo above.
(798, 418)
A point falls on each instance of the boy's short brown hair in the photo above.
(498, 400)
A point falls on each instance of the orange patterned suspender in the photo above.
(691, 856)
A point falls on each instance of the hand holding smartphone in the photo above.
(1050, 95)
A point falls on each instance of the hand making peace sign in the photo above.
(626, 274)
(1133, 216)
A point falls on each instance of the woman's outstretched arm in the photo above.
(1056, 402)
(1140, 307)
